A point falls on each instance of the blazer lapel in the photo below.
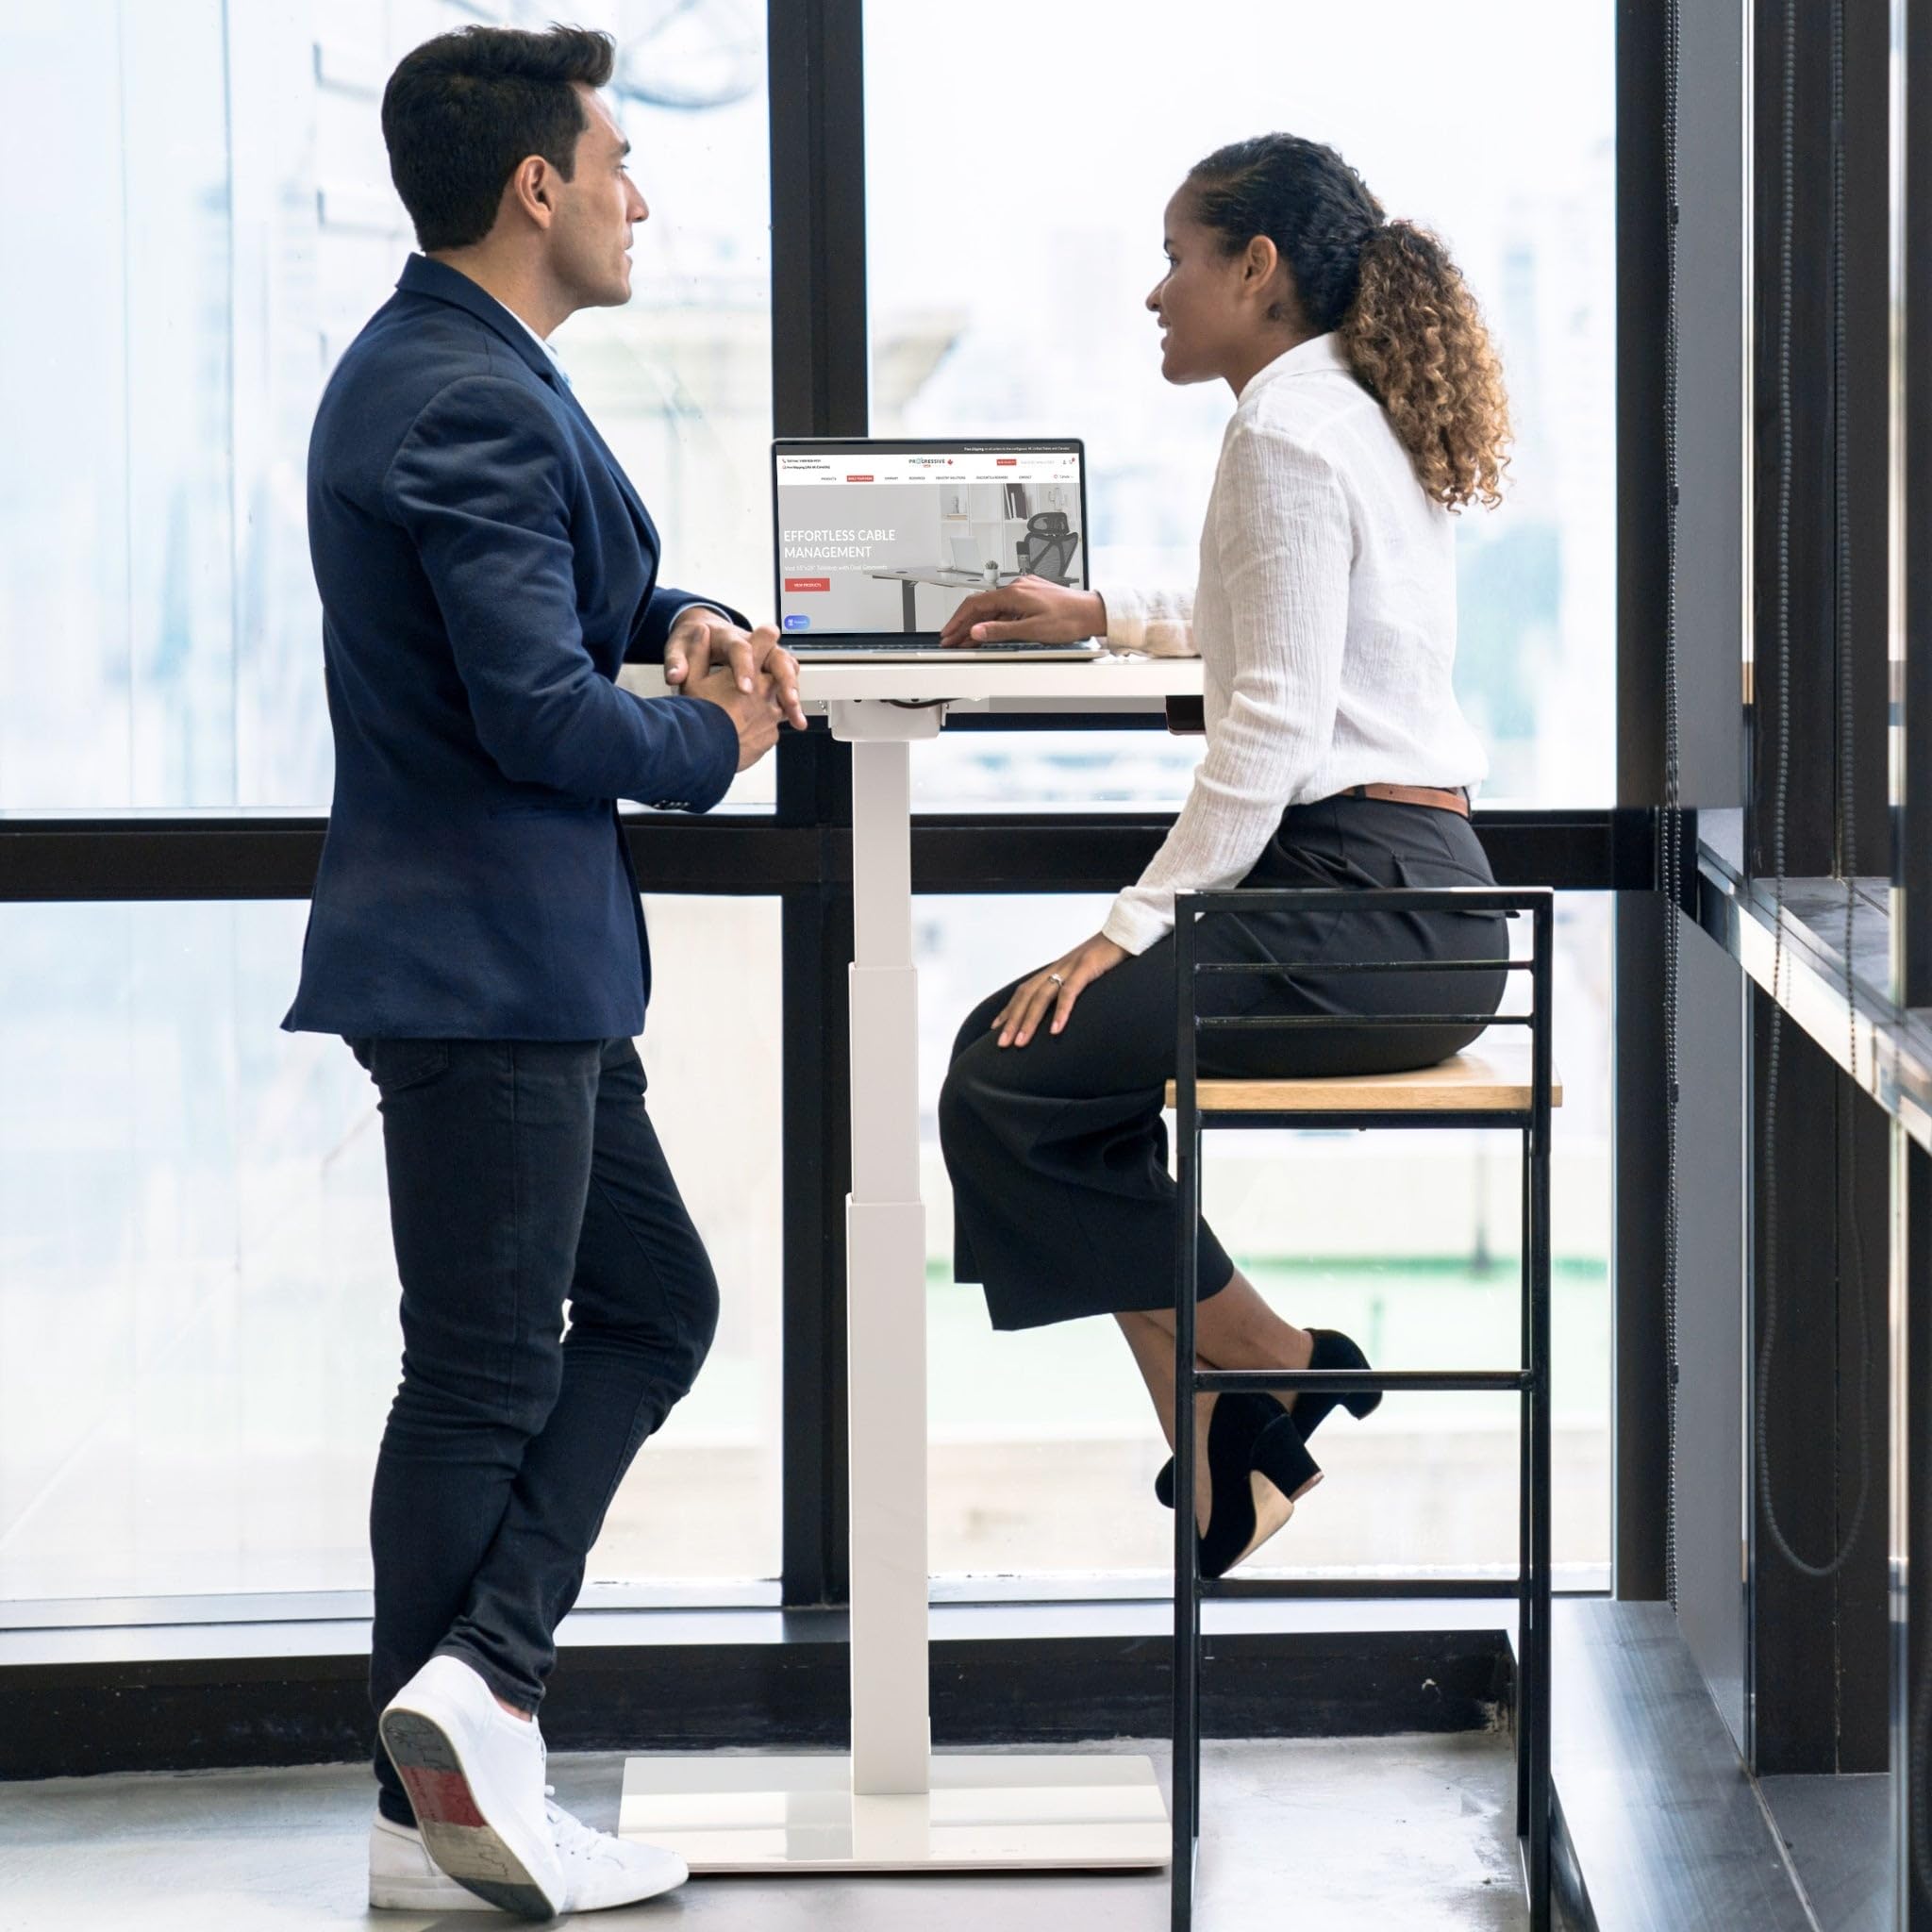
(631, 497)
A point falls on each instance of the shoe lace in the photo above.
(573, 1838)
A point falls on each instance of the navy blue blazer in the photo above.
(484, 568)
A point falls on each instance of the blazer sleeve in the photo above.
(482, 484)
(662, 609)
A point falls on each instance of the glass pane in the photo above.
(197, 1292)
(163, 646)
(1054, 771)
(1406, 1241)
(1008, 265)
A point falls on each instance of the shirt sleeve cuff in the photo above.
(1133, 925)
(1127, 617)
(698, 603)
(1135, 622)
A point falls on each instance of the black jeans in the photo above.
(1062, 1204)
(522, 1175)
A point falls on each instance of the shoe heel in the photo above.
(458, 1837)
(1335, 1350)
(1282, 1455)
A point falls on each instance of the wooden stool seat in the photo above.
(1492, 1076)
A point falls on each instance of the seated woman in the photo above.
(1369, 406)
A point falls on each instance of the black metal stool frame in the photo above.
(1531, 1380)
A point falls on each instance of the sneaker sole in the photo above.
(454, 1832)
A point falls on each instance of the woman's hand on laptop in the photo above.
(1054, 989)
(1032, 610)
(702, 642)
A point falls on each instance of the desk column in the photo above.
(886, 1267)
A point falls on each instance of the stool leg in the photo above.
(1186, 1701)
(1525, 1481)
(1187, 1729)
(1187, 1552)
(1540, 1688)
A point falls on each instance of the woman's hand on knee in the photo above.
(1053, 989)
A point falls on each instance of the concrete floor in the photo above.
(1409, 1832)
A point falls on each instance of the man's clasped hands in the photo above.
(748, 673)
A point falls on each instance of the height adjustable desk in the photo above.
(889, 1804)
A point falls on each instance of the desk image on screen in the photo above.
(891, 538)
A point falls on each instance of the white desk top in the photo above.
(1102, 684)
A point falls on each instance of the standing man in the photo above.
(484, 568)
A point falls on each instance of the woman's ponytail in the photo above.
(1411, 329)
(1416, 341)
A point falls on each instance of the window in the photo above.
(195, 1280)
(164, 640)
(196, 1283)
(1407, 1241)
(1010, 256)
(196, 1286)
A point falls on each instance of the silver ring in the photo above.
(1056, 979)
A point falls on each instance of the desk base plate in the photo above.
(1012, 1812)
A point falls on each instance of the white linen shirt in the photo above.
(1325, 618)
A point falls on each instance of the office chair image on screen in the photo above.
(1047, 548)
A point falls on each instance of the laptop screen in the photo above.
(879, 539)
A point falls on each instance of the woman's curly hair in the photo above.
(1413, 333)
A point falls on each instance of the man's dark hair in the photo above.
(462, 110)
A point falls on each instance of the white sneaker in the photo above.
(602, 1870)
(599, 1869)
(474, 1777)
(403, 1877)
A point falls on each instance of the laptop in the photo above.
(880, 541)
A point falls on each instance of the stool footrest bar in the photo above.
(1254, 1022)
(1353, 1381)
(1502, 1590)
(1328, 966)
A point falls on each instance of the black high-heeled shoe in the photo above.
(1333, 1350)
(1259, 1468)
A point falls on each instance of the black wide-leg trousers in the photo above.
(1063, 1202)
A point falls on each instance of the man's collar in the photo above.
(441, 283)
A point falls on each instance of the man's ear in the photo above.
(532, 187)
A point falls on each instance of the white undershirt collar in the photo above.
(541, 342)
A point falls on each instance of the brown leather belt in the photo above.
(1413, 795)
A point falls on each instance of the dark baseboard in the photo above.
(204, 1713)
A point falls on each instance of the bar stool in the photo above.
(1510, 1085)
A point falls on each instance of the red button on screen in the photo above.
(807, 583)
(1006, 463)
(858, 479)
